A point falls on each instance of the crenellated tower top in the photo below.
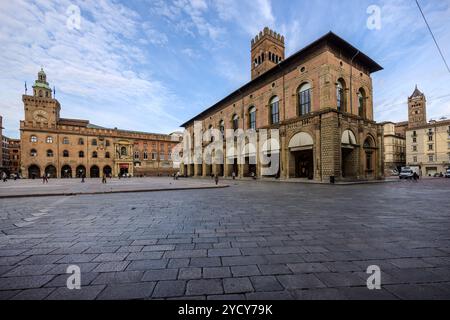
(267, 50)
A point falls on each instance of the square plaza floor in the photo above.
(252, 240)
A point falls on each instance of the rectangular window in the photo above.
(430, 138)
(414, 148)
(161, 156)
(414, 140)
(415, 159)
(431, 158)
(305, 102)
(430, 147)
(253, 120)
(275, 112)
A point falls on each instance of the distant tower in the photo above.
(267, 51)
(417, 109)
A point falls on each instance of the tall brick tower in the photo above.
(267, 51)
(417, 109)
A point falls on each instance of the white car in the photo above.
(447, 173)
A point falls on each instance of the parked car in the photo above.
(406, 174)
(447, 173)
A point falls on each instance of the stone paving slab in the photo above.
(251, 241)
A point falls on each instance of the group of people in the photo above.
(4, 176)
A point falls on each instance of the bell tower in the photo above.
(267, 51)
(417, 109)
(41, 107)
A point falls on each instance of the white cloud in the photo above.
(96, 62)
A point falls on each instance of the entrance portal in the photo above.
(304, 164)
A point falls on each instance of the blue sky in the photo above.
(151, 65)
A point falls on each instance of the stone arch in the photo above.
(34, 171)
(95, 172)
(80, 171)
(301, 156)
(349, 155)
(107, 171)
(66, 171)
(50, 171)
(369, 147)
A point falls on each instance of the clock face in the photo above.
(40, 115)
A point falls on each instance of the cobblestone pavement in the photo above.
(92, 186)
(253, 240)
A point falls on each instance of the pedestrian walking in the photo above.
(415, 176)
(82, 178)
(44, 179)
(216, 178)
(233, 175)
(104, 179)
(4, 176)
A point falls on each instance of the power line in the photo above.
(434, 38)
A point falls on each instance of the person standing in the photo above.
(4, 178)
(233, 175)
(104, 179)
(216, 178)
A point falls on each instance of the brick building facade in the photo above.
(321, 101)
(65, 148)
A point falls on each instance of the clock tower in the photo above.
(41, 107)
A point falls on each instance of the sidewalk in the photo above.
(300, 181)
(70, 187)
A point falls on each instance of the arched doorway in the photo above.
(34, 172)
(81, 172)
(349, 155)
(107, 171)
(369, 152)
(95, 172)
(301, 156)
(50, 171)
(66, 172)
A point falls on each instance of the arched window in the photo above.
(107, 155)
(235, 122)
(275, 110)
(340, 95)
(33, 153)
(49, 140)
(94, 142)
(136, 155)
(94, 154)
(368, 147)
(252, 118)
(65, 140)
(33, 139)
(40, 93)
(304, 99)
(50, 153)
(81, 154)
(222, 127)
(123, 151)
(145, 155)
(81, 141)
(361, 103)
(210, 130)
(65, 154)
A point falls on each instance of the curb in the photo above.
(69, 194)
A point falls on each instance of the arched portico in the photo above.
(34, 172)
(50, 171)
(301, 156)
(349, 155)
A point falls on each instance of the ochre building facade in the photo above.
(68, 148)
(427, 142)
(321, 101)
